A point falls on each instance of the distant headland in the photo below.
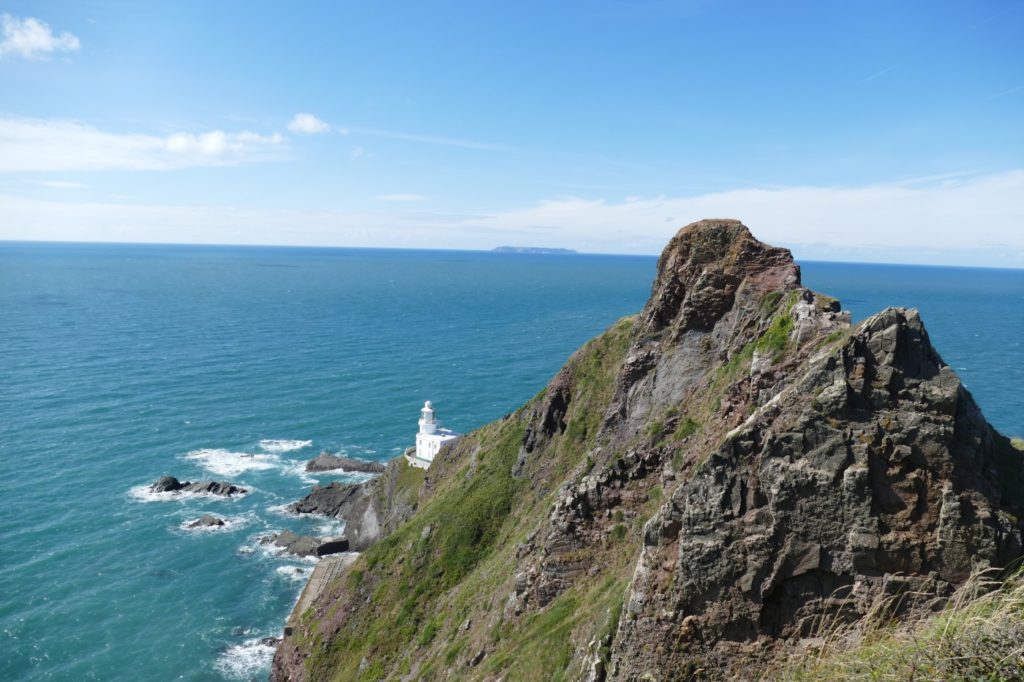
(532, 250)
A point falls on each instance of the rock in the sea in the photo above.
(305, 545)
(169, 484)
(328, 500)
(270, 641)
(300, 545)
(206, 521)
(328, 462)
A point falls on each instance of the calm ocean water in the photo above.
(119, 364)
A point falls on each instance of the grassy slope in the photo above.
(452, 562)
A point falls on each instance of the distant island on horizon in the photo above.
(532, 250)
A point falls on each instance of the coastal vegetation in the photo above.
(978, 636)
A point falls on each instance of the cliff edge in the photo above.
(695, 493)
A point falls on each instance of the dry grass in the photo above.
(978, 636)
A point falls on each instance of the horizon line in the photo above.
(570, 253)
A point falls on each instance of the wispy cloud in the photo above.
(31, 38)
(61, 184)
(1004, 93)
(425, 139)
(962, 221)
(881, 73)
(32, 144)
(307, 124)
(400, 197)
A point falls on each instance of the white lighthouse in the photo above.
(430, 438)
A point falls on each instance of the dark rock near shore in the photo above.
(206, 521)
(299, 545)
(370, 509)
(169, 484)
(305, 545)
(270, 641)
(328, 462)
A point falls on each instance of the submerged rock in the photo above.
(328, 462)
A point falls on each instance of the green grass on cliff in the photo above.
(978, 637)
(451, 562)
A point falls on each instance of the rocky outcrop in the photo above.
(370, 509)
(206, 521)
(869, 476)
(328, 462)
(736, 466)
(169, 484)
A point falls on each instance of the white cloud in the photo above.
(400, 197)
(901, 219)
(307, 124)
(33, 39)
(972, 221)
(30, 144)
(60, 184)
(425, 139)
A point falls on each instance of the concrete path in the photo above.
(326, 570)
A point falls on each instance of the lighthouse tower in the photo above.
(428, 425)
(429, 439)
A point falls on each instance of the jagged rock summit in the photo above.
(698, 490)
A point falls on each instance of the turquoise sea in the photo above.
(119, 364)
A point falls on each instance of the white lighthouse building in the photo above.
(430, 438)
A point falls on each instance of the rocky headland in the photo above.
(697, 494)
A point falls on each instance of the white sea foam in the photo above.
(282, 510)
(296, 574)
(245, 661)
(330, 528)
(227, 463)
(142, 493)
(231, 523)
(283, 445)
(299, 469)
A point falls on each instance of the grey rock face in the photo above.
(869, 475)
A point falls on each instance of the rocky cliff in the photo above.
(699, 488)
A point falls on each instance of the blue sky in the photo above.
(884, 131)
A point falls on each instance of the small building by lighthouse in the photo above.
(429, 439)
